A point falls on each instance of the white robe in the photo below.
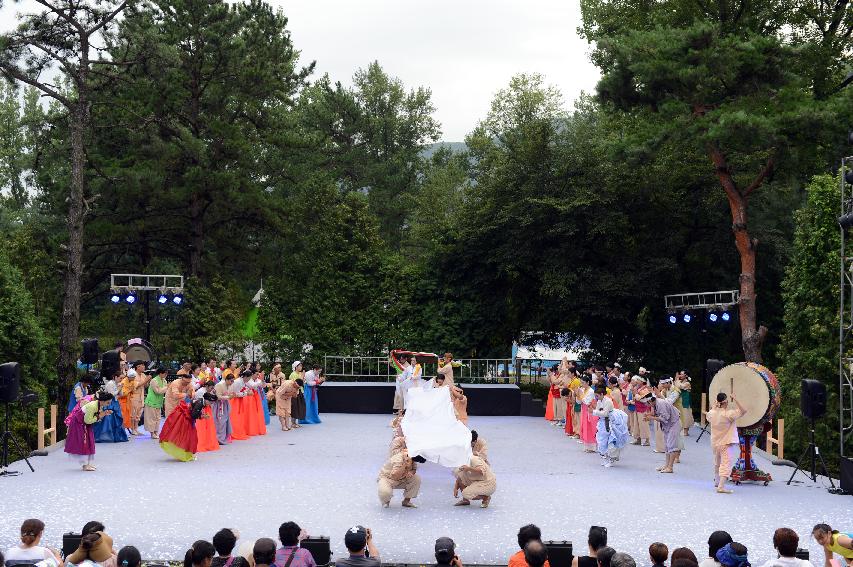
(432, 430)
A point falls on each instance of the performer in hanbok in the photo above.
(206, 427)
(177, 391)
(665, 414)
(110, 429)
(460, 403)
(262, 389)
(244, 410)
(80, 441)
(643, 430)
(673, 396)
(399, 473)
(479, 447)
(284, 395)
(553, 394)
(154, 401)
(298, 403)
(125, 399)
(445, 368)
(589, 422)
(612, 433)
(137, 397)
(277, 377)
(257, 398)
(558, 382)
(222, 410)
(724, 438)
(398, 445)
(476, 481)
(402, 384)
(313, 380)
(682, 381)
(179, 436)
(83, 388)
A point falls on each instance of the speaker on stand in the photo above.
(813, 406)
(10, 383)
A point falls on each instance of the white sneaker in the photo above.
(608, 464)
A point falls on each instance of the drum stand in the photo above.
(813, 451)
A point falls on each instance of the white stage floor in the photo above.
(324, 478)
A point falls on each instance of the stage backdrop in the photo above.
(378, 397)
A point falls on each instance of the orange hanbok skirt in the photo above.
(258, 413)
(206, 431)
(238, 420)
(549, 407)
(126, 404)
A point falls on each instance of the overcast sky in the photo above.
(464, 50)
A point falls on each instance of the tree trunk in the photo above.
(752, 336)
(196, 235)
(70, 324)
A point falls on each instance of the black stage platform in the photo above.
(378, 397)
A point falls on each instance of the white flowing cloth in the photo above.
(432, 430)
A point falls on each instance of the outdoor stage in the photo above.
(324, 478)
(377, 397)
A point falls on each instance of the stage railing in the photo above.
(52, 430)
(469, 370)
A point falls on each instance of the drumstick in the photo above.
(732, 386)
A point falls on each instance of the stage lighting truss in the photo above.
(125, 288)
(716, 305)
(845, 296)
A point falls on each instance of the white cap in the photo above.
(295, 364)
(131, 373)
(643, 370)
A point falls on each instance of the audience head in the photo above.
(597, 537)
(620, 559)
(822, 534)
(200, 554)
(92, 527)
(535, 553)
(2, 560)
(288, 533)
(658, 552)
(683, 553)
(445, 550)
(683, 562)
(224, 541)
(786, 540)
(356, 539)
(605, 555)
(96, 546)
(129, 556)
(31, 531)
(733, 555)
(264, 551)
(527, 534)
(716, 541)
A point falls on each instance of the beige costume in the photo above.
(460, 404)
(398, 445)
(137, 400)
(478, 483)
(447, 372)
(284, 395)
(559, 401)
(481, 449)
(176, 392)
(398, 473)
(724, 439)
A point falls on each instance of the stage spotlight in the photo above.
(131, 298)
(712, 317)
(178, 299)
(687, 317)
(673, 319)
(725, 316)
(162, 298)
(115, 298)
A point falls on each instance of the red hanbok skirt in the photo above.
(179, 437)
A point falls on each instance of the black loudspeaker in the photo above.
(319, 548)
(847, 475)
(10, 382)
(802, 554)
(559, 553)
(110, 363)
(813, 398)
(70, 543)
(90, 351)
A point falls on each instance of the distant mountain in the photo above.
(455, 147)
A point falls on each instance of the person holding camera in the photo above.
(445, 553)
(362, 550)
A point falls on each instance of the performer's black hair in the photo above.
(474, 436)
(103, 396)
(721, 397)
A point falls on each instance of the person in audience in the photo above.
(604, 555)
(620, 559)
(290, 554)
(596, 540)
(658, 553)
(29, 550)
(359, 539)
(200, 554)
(445, 553)
(476, 481)
(833, 542)
(786, 541)
(80, 440)
(399, 472)
(716, 541)
(733, 554)
(95, 548)
(684, 554)
(264, 552)
(2, 560)
(224, 542)
(129, 556)
(535, 554)
(526, 534)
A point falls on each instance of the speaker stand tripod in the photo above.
(814, 453)
(6, 438)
